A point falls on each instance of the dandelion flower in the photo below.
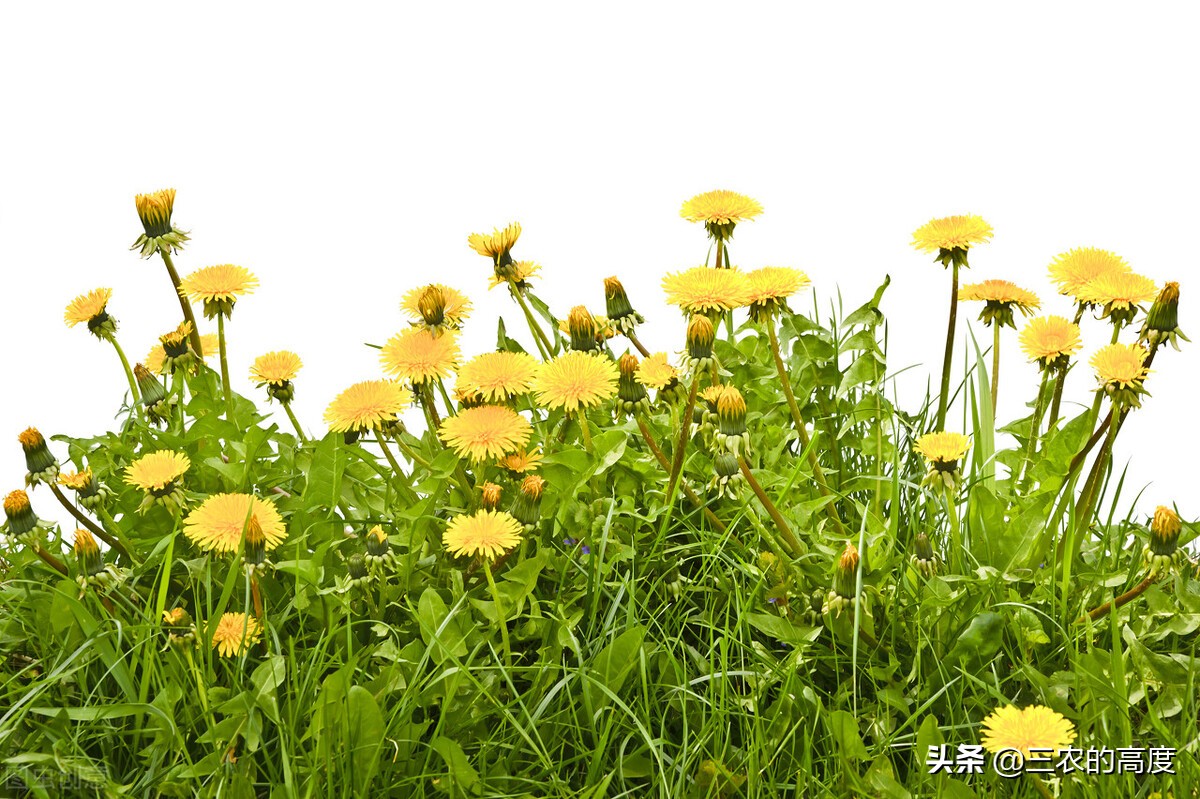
(1118, 293)
(1074, 269)
(488, 431)
(1121, 366)
(154, 210)
(576, 380)
(217, 525)
(703, 290)
(91, 309)
(418, 355)
(218, 287)
(436, 305)
(942, 448)
(157, 472)
(1029, 729)
(720, 211)
(770, 286)
(1001, 297)
(521, 272)
(497, 244)
(367, 406)
(522, 462)
(235, 634)
(486, 533)
(1050, 339)
(945, 235)
(498, 376)
(157, 359)
(656, 372)
(275, 368)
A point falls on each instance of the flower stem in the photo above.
(632, 336)
(1035, 424)
(225, 386)
(1060, 379)
(94, 528)
(1091, 486)
(387, 453)
(944, 396)
(183, 303)
(666, 465)
(287, 406)
(408, 453)
(587, 433)
(789, 537)
(431, 414)
(995, 366)
(1124, 599)
(955, 559)
(133, 387)
(685, 429)
(52, 561)
(539, 337)
(501, 620)
(801, 429)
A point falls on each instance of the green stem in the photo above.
(501, 620)
(949, 359)
(1091, 487)
(431, 414)
(632, 336)
(789, 537)
(133, 386)
(287, 406)
(94, 528)
(666, 466)
(685, 429)
(225, 385)
(539, 337)
(183, 303)
(387, 453)
(581, 417)
(995, 366)
(408, 453)
(956, 558)
(1035, 424)
(801, 430)
(1060, 379)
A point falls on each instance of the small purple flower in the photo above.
(585, 549)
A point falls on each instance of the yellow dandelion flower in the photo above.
(1049, 338)
(157, 472)
(1074, 269)
(712, 394)
(1029, 729)
(235, 634)
(418, 355)
(942, 447)
(220, 283)
(576, 380)
(154, 209)
(720, 207)
(702, 289)
(773, 284)
(488, 431)
(176, 617)
(218, 523)
(486, 533)
(156, 358)
(436, 305)
(498, 376)
(77, 481)
(952, 233)
(522, 462)
(1001, 291)
(1123, 365)
(656, 372)
(520, 271)
(367, 405)
(87, 308)
(1118, 291)
(275, 368)
(497, 244)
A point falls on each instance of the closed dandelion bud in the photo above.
(618, 308)
(432, 306)
(256, 546)
(356, 569)
(490, 496)
(378, 546)
(1163, 552)
(700, 337)
(923, 558)
(160, 234)
(19, 516)
(90, 560)
(89, 491)
(154, 396)
(582, 328)
(527, 507)
(731, 422)
(632, 397)
(726, 475)
(180, 630)
(845, 581)
(39, 461)
(1162, 323)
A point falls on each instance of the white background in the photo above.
(344, 155)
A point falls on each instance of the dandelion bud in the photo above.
(582, 328)
(256, 546)
(924, 559)
(19, 514)
(88, 555)
(356, 568)
(490, 496)
(90, 492)
(39, 462)
(845, 581)
(154, 395)
(731, 422)
(618, 307)
(726, 475)
(632, 397)
(1163, 552)
(379, 549)
(160, 234)
(1162, 323)
(527, 507)
(180, 630)
(700, 337)
(177, 617)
